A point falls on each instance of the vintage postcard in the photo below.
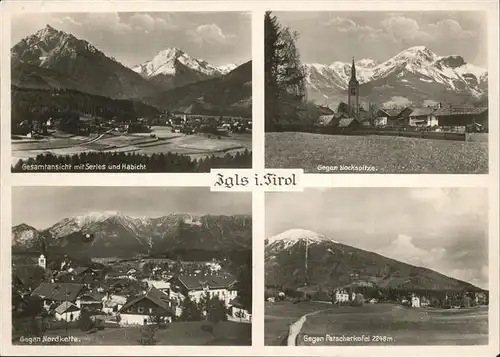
(131, 266)
(131, 92)
(377, 92)
(249, 178)
(341, 272)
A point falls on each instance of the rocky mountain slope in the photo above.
(173, 68)
(330, 264)
(112, 234)
(225, 95)
(416, 73)
(51, 58)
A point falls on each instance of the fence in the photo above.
(330, 130)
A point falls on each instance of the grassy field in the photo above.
(196, 146)
(280, 315)
(399, 325)
(178, 333)
(385, 153)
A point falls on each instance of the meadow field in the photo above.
(383, 324)
(196, 146)
(280, 315)
(225, 333)
(386, 154)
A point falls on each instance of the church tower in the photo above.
(353, 93)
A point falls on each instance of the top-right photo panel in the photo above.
(377, 92)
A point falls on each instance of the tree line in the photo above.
(30, 105)
(118, 161)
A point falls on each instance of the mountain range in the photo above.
(113, 234)
(55, 59)
(417, 74)
(300, 258)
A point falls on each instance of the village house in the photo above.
(163, 286)
(462, 116)
(67, 311)
(90, 300)
(415, 301)
(393, 117)
(140, 309)
(112, 303)
(56, 293)
(348, 124)
(424, 301)
(341, 296)
(423, 117)
(197, 286)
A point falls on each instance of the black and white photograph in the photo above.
(377, 91)
(377, 267)
(131, 266)
(131, 92)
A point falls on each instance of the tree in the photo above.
(244, 284)
(34, 309)
(85, 322)
(216, 310)
(284, 75)
(190, 311)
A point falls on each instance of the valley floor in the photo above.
(386, 154)
(380, 324)
(165, 141)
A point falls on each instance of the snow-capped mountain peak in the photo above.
(226, 68)
(167, 62)
(292, 236)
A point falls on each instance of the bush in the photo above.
(148, 335)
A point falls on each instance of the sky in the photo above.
(134, 38)
(41, 207)
(441, 229)
(326, 37)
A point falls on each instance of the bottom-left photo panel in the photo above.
(131, 266)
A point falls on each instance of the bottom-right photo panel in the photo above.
(377, 266)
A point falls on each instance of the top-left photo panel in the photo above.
(131, 92)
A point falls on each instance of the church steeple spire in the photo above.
(353, 71)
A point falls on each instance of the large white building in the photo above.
(198, 286)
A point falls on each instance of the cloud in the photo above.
(397, 101)
(448, 28)
(149, 23)
(346, 25)
(209, 34)
(403, 249)
(406, 29)
(108, 22)
(401, 29)
(67, 20)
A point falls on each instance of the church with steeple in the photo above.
(353, 93)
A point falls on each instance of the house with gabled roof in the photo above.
(58, 292)
(394, 116)
(196, 286)
(141, 308)
(423, 117)
(67, 311)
